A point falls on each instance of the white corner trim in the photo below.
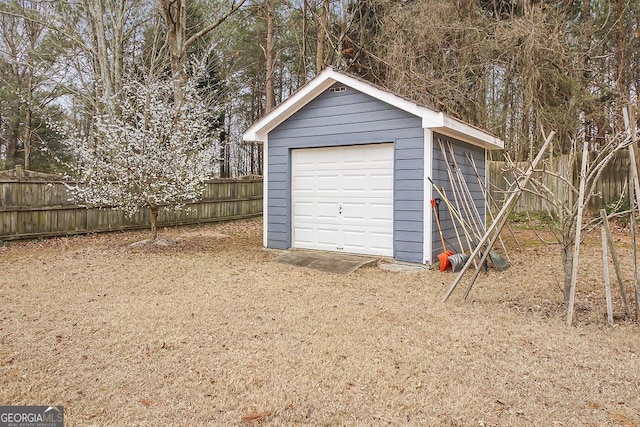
(427, 219)
(487, 204)
(259, 130)
(265, 191)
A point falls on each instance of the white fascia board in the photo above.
(259, 130)
(430, 119)
(382, 95)
(469, 133)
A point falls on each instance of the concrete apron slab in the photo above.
(329, 262)
(403, 268)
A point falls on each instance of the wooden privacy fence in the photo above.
(35, 205)
(610, 186)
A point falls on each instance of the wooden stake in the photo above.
(634, 188)
(453, 190)
(633, 169)
(634, 250)
(467, 198)
(489, 198)
(607, 279)
(616, 263)
(576, 245)
(498, 224)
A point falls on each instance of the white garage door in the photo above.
(343, 199)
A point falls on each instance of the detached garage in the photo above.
(346, 168)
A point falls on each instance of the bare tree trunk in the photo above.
(252, 158)
(567, 265)
(154, 221)
(303, 53)
(174, 13)
(13, 137)
(107, 22)
(224, 156)
(96, 13)
(321, 40)
(269, 56)
(119, 22)
(26, 139)
(586, 9)
(621, 53)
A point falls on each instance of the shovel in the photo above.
(444, 256)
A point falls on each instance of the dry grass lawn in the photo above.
(211, 332)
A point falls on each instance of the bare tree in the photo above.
(269, 53)
(565, 207)
(174, 14)
(30, 78)
(322, 23)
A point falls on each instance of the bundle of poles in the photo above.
(468, 223)
(499, 221)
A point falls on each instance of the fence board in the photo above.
(610, 186)
(40, 206)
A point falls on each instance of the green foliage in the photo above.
(538, 220)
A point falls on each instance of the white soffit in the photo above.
(431, 119)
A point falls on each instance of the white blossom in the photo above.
(150, 153)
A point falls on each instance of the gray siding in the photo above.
(351, 118)
(408, 197)
(441, 179)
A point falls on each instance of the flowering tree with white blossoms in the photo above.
(151, 153)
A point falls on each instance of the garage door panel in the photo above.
(326, 237)
(380, 162)
(304, 184)
(326, 209)
(354, 210)
(367, 211)
(325, 158)
(377, 243)
(380, 212)
(304, 210)
(380, 181)
(304, 236)
(343, 199)
(354, 182)
(327, 184)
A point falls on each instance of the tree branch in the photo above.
(191, 40)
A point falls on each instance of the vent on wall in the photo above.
(338, 89)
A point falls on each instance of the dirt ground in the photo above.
(210, 331)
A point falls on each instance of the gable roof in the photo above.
(431, 119)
